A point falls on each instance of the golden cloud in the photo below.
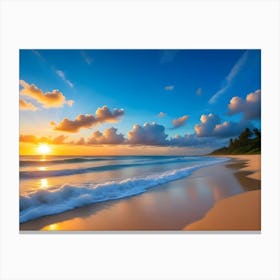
(49, 99)
(102, 115)
(29, 138)
(24, 105)
(180, 121)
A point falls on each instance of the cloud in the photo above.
(59, 139)
(229, 129)
(161, 114)
(180, 121)
(102, 115)
(198, 91)
(207, 125)
(70, 102)
(188, 140)
(154, 135)
(88, 60)
(250, 107)
(211, 126)
(36, 140)
(24, 105)
(169, 88)
(82, 121)
(28, 138)
(61, 74)
(230, 77)
(48, 99)
(81, 141)
(109, 136)
(168, 56)
(148, 134)
(39, 55)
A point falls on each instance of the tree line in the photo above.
(248, 142)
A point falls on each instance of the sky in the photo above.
(126, 102)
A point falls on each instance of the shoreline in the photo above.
(170, 206)
(241, 211)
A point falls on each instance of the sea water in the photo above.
(54, 184)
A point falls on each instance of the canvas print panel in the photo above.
(140, 140)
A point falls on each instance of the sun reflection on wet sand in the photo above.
(51, 227)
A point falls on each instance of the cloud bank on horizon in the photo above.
(153, 134)
(132, 80)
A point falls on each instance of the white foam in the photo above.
(57, 200)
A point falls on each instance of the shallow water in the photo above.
(170, 206)
(54, 185)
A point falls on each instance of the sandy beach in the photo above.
(181, 204)
(239, 212)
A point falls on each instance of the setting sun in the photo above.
(43, 149)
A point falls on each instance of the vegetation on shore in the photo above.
(248, 142)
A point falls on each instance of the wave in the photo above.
(60, 199)
(73, 171)
(62, 161)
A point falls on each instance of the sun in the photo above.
(43, 149)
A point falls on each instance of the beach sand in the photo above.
(172, 206)
(239, 212)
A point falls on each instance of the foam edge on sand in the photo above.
(239, 212)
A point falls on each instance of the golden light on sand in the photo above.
(43, 149)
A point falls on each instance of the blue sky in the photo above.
(180, 85)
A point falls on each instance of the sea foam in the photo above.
(60, 199)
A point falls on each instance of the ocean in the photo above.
(54, 184)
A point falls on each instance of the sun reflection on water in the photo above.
(42, 168)
(44, 183)
(51, 227)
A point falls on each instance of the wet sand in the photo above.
(171, 206)
(239, 212)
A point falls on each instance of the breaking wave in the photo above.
(60, 199)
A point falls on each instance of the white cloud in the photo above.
(148, 134)
(109, 136)
(199, 91)
(169, 88)
(211, 126)
(61, 74)
(88, 60)
(250, 107)
(207, 125)
(230, 77)
(161, 114)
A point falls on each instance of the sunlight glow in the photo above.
(43, 149)
(52, 227)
